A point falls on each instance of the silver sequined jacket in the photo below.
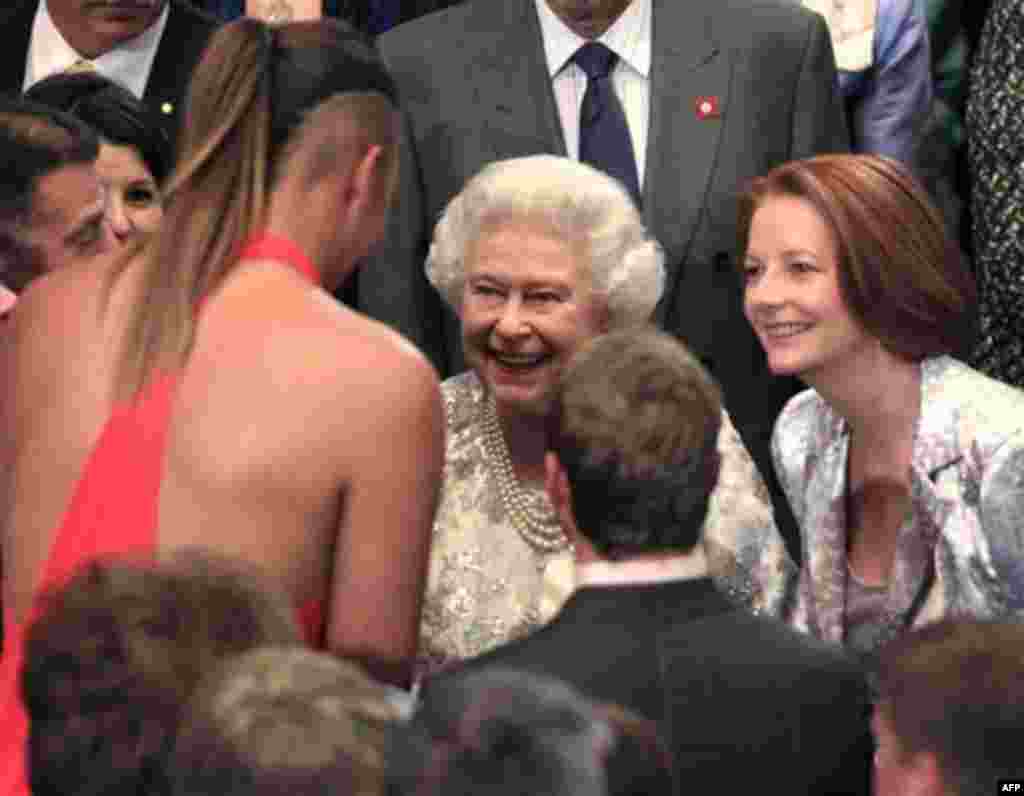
(960, 552)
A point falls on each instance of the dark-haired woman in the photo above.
(902, 464)
(135, 153)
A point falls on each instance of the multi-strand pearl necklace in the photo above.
(539, 529)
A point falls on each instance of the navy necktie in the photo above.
(604, 135)
(384, 15)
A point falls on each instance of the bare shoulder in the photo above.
(313, 352)
(52, 360)
(374, 354)
(53, 319)
(47, 298)
(272, 321)
(388, 393)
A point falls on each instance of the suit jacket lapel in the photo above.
(164, 77)
(512, 86)
(914, 564)
(16, 25)
(825, 538)
(936, 447)
(179, 51)
(937, 439)
(687, 64)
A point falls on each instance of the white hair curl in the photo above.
(627, 268)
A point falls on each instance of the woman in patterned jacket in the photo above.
(904, 466)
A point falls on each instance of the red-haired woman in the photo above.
(904, 467)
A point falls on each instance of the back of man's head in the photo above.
(951, 708)
(635, 427)
(498, 732)
(283, 720)
(34, 142)
(115, 654)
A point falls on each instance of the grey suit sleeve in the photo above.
(819, 119)
(392, 285)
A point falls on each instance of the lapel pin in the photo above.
(707, 107)
(167, 109)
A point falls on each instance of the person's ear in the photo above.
(714, 467)
(20, 262)
(366, 182)
(601, 314)
(924, 777)
(556, 483)
(7, 300)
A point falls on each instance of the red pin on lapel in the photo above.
(707, 107)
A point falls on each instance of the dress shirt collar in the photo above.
(691, 566)
(629, 37)
(129, 63)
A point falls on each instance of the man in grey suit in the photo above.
(714, 92)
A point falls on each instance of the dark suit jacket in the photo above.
(475, 85)
(182, 44)
(746, 704)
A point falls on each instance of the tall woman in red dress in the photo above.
(206, 390)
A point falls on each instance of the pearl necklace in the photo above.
(539, 529)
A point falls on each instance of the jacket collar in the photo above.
(937, 445)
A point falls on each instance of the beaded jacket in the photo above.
(489, 583)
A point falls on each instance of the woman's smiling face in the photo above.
(527, 306)
(134, 205)
(791, 293)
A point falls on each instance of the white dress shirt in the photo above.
(629, 38)
(688, 566)
(129, 63)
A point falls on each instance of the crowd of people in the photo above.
(572, 397)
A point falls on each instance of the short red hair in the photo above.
(900, 273)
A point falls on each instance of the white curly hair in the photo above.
(627, 268)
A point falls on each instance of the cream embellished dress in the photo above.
(500, 565)
(491, 579)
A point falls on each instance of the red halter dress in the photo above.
(113, 511)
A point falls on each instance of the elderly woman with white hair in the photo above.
(537, 255)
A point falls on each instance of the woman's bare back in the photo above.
(278, 431)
